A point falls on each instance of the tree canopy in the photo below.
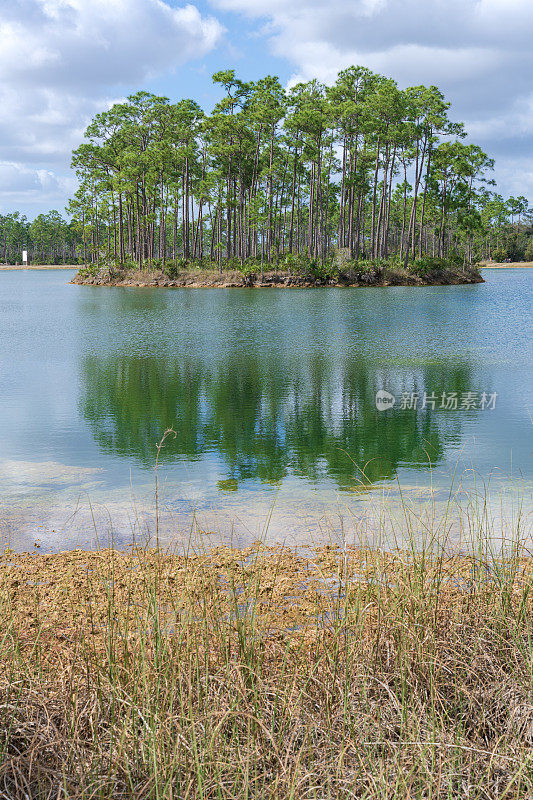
(273, 175)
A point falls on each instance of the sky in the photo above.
(63, 61)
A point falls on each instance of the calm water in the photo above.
(271, 395)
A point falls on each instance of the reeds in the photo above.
(266, 673)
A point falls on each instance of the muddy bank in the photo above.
(245, 674)
(196, 279)
(283, 586)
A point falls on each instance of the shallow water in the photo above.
(271, 395)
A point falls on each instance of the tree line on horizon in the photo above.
(48, 239)
(275, 175)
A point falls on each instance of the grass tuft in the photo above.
(265, 673)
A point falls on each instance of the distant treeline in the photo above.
(49, 239)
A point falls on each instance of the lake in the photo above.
(271, 395)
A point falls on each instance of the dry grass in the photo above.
(185, 277)
(265, 674)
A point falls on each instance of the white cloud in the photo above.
(94, 43)
(517, 122)
(412, 61)
(61, 61)
(477, 51)
(516, 175)
(22, 184)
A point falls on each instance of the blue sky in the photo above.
(242, 47)
(62, 61)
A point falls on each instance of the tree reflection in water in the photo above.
(269, 416)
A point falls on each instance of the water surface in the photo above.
(271, 395)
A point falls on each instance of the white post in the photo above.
(25, 257)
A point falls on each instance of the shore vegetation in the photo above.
(295, 271)
(265, 672)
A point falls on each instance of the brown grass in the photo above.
(262, 673)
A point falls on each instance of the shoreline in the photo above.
(295, 578)
(511, 265)
(179, 282)
(194, 279)
(30, 267)
(236, 670)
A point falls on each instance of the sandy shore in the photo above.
(513, 265)
(39, 266)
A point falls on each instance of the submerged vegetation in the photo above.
(266, 673)
(312, 180)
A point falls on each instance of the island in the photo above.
(435, 274)
(359, 183)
